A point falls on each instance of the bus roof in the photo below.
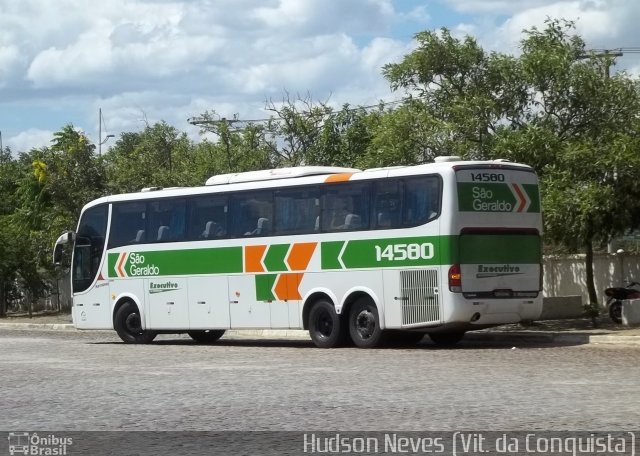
(278, 173)
(283, 177)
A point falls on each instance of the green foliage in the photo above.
(158, 156)
(554, 107)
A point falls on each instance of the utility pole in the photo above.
(609, 55)
(100, 141)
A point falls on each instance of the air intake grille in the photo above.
(420, 298)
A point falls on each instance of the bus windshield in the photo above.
(89, 246)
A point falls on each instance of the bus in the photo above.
(352, 256)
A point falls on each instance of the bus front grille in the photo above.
(420, 298)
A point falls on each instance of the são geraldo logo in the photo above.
(133, 265)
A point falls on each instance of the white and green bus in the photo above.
(440, 248)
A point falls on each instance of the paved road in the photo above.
(91, 381)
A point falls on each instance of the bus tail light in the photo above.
(455, 279)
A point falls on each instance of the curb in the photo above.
(41, 326)
(481, 336)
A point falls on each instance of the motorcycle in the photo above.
(617, 295)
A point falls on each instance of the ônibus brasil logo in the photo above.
(133, 264)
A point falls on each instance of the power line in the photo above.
(203, 121)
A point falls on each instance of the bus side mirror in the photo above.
(57, 254)
(65, 238)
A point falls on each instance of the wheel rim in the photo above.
(365, 323)
(324, 324)
(133, 323)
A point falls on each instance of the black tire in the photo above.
(207, 336)
(325, 325)
(128, 325)
(447, 339)
(615, 311)
(400, 338)
(364, 324)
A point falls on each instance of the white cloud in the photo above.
(29, 139)
(603, 24)
(171, 60)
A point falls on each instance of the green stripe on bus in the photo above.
(390, 252)
(222, 260)
(534, 195)
(336, 255)
(264, 287)
(498, 249)
(329, 252)
(274, 259)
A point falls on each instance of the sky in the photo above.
(145, 61)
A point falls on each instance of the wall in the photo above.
(565, 275)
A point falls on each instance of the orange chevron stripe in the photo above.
(300, 255)
(120, 265)
(286, 287)
(252, 258)
(343, 177)
(523, 200)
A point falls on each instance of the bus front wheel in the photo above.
(364, 324)
(207, 336)
(128, 325)
(325, 325)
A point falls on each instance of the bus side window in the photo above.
(128, 224)
(167, 220)
(345, 206)
(252, 213)
(387, 204)
(296, 211)
(208, 217)
(421, 200)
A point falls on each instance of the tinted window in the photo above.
(89, 246)
(252, 214)
(387, 211)
(167, 220)
(345, 207)
(421, 199)
(208, 218)
(297, 211)
(128, 224)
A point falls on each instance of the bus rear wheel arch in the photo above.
(128, 324)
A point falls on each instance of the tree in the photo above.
(158, 156)
(552, 107)
(9, 175)
(295, 129)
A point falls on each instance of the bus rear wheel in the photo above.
(448, 339)
(364, 324)
(128, 325)
(325, 326)
(208, 336)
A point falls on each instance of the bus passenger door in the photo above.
(167, 306)
(245, 309)
(208, 303)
